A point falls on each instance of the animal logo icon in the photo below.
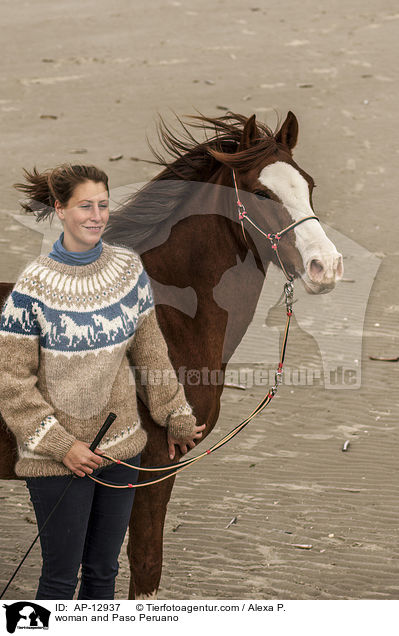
(26, 615)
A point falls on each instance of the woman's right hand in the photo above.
(80, 459)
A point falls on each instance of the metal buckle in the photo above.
(289, 294)
(278, 378)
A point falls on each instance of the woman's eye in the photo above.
(87, 206)
(261, 194)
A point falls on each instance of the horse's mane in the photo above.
(134, 221)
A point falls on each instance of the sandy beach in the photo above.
(281, 512)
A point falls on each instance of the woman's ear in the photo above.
(59, 210)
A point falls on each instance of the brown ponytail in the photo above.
(43, 188)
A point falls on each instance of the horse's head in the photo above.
(263, 166)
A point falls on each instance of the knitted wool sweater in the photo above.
(71, 338)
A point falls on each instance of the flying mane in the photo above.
(140, 216)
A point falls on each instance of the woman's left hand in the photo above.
(185, 444)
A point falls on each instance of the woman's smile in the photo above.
(93, 228)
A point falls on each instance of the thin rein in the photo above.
(288, 298)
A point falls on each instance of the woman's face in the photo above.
(85, 216)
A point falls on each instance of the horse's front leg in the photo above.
(145, 546)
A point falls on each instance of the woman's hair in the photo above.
(43, 188)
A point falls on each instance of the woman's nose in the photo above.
(95, 212)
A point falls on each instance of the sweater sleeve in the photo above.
(25, 411)
(156, 380)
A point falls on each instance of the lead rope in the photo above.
(289, 295)
(177, 468)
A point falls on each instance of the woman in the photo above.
(75, 324)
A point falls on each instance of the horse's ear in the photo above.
(248, 137)
(249, 134)
(288, 133)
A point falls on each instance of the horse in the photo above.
(17, 314)
(207, 227)
(80, 332)
(112, 326)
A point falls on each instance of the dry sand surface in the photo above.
(94, 76)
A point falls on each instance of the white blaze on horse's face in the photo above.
(321, 262)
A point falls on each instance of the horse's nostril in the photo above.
(315, 269)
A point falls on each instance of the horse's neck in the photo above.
(206, 286)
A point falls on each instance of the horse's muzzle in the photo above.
(322, 272)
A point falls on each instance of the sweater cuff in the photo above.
(50, 438)
(181, 422)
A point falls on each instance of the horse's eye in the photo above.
(261, 194)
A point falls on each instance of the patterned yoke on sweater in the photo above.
(71, 338)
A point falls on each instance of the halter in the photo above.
(273, 238)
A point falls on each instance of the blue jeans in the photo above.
(87, 528)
